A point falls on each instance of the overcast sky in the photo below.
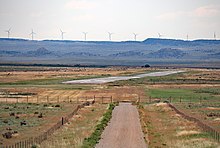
(171, 18)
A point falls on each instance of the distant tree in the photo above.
(146, 65)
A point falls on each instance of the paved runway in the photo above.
(112, 79)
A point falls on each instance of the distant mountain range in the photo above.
(152, 51)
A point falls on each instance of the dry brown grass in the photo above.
(118, 93)
(184, 86)
(13, 76)
(78, 128)
(165, 128)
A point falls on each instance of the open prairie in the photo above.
(35, 99)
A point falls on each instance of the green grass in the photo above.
(55, 83)
(214, 91)
(26, 112)
(91, 141)
(199, 135)
(179, 78)
(175, 78)
(50, 81)
(184, 94)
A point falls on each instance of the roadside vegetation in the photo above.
(187, 77)
(196, 91)
(94, 138)
(164, 128)
(84, 130)
(185, 94)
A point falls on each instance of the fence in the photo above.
(215, 134)
(37, 99)
(182, 100)
(28, 143)
(58, 99)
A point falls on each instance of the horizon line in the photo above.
(189, 40)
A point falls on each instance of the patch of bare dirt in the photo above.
(124, 129)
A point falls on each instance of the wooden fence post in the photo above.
(62, 121)
(180, 99)
(20, 144)
(48, 99)
(139, 99)
(94, 98)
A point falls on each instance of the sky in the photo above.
(171, 18)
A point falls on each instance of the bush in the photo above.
(7, 135)
(96, 135)
(146, 65)
(34, 146)
(57, 105)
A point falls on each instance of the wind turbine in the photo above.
(135, 36)
(187, 37)
(85, 35)
(160, 35)
(214, 35)
(110, 35)
(32, 34)
(8, 31)
(62, 33)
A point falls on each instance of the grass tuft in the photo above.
(91, 141)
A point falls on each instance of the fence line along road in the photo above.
(59, 99)
(30, 142)
(214, 133)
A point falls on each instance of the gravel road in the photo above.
(124, 129)
(112, 79)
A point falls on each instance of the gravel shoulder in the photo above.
(124, 129)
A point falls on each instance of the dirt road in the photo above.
(124, 129)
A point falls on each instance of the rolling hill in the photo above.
(153, 51)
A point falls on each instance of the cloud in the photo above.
(207, 11)
(200, 12)
(169, 16)
(80, 4)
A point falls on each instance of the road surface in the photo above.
(112, 79)
(124, 129)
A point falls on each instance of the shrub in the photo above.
(57, 105)
(96, 135)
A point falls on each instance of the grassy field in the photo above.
(164, 128)
(79, 128)
(208, 112)
(184, 94)
(24, 119)
(202, 103)
(188, 77)
(199, 88)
